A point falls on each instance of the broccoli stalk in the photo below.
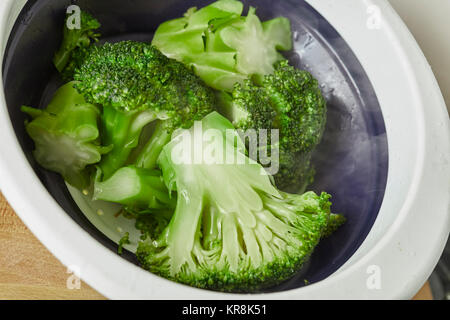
(121, 130)
(135, 188)
(243, 237)
(149, 155)
(66, 135)
(74, 44)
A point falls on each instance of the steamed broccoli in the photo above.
(137, 85)
(289, 100)
(66, 135)
(243, 237)
(130, 118)
(222, 46)
(75, 43)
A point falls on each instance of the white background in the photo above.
(429, 22)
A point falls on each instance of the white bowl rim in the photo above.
(402, 259)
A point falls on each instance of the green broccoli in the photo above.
(137, 85)
(74, 44)
(289, 100)
(245, 236)
(66, 135)
(222, 46)
(130, 119)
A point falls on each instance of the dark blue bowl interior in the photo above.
(351, 162)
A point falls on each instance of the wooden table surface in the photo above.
(29, 271)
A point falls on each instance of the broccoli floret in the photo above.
(300, 106)
(289, 100)
(131, 76)
(137, 85)
(245, 236)
(75, 43)
(66, 135)
(222, 46)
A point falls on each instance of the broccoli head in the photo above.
(137, 85)
(299, 104)
(132, 76)
(289, 100)
(246, 236)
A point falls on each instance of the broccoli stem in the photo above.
(32, 112)
(135, 187)
(185, 222)
(122, 130)
(149, 155)
(62, 58)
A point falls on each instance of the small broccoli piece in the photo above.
(151, 223)
(222, 46)
(245, 237)
(74, 45)
(122, 242)
(135, 188)
(137, 85)
(289, 100)
(66, 135)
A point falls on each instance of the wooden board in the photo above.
(29, 271)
